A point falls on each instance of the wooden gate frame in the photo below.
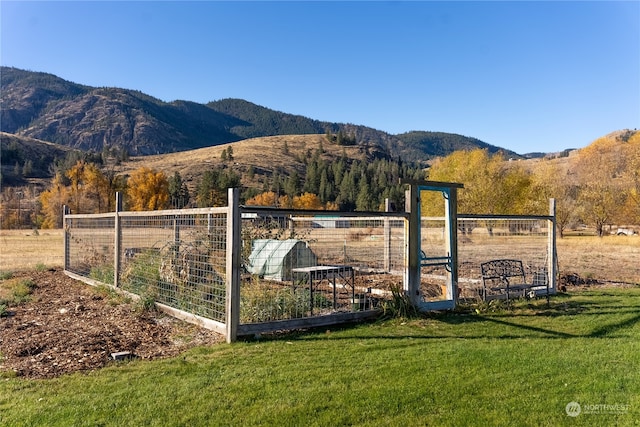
(413, 259)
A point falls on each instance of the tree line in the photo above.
(344, 184)
(600, 187)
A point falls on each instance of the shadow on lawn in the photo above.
(561, 306)
(600, 332)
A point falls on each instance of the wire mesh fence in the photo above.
(177, 259)
(300, 266)
(174, 258)
(89, 246)
(433, 274)
(292, 265)
(481, 239)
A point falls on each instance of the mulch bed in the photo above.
(68, 326)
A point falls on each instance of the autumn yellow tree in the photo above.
(89, 188)
(600, 169)
(630, 211)
(307, 201)
(491, 185)
(147, 189)
(285, 202)
(98, 190)
(88, 191)
(331, 206)
(268, 198)
(551, 181)
(52, 200)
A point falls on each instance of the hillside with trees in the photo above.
(598, 185)
(308, 172)
(46, 107)
(23, 158)
(439, 144)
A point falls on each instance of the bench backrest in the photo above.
(501, 272)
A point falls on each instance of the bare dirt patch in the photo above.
(68, 326)
(573, 281)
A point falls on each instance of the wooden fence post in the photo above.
(552, 254)
(387, 237)
(233, 266)
(65, 234)
(451, 214)
(411, 281)
(117, 241)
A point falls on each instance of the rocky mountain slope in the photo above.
(46, 107)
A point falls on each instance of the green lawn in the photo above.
(493, 367)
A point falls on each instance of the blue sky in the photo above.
(527, 76)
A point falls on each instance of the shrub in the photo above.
(261, 303)
(400, 305)
(15, 291)
(103, 274)
(142, 274)
(112, 295)
(146, 304)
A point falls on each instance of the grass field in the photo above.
(517, 367)
(613, 258)
(25, 249)
(488, 367)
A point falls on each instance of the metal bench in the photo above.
(506, 276)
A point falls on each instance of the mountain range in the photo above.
(46, 107)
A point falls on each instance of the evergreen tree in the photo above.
(227, 179)
(291, 186)
(206, 190)
(338, 169)
(363, 201)
(212, 189)
(276, 183)
(312, 181)
(326, 187)
(27, 169)
(348, 191)
(178, 191)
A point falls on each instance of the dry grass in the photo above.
(613, 258)
(267, 151)
(25, 249)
